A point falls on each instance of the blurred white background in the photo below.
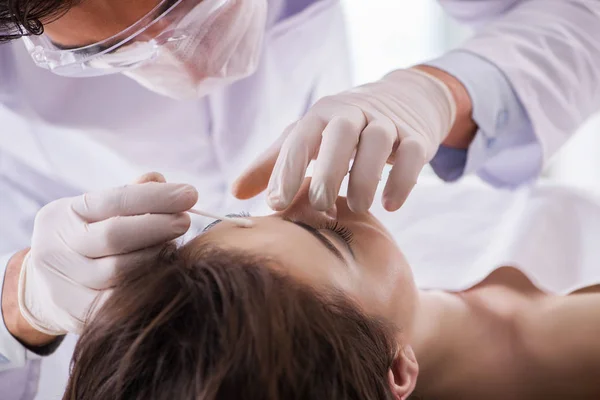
(389, 34)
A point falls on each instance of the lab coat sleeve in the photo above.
(505, 151)
(550, 53)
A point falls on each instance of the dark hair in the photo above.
(27, 17)
(222, 325)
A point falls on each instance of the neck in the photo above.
(438, 325)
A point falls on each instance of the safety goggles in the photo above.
(137, 45)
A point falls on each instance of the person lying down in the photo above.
(307, 306)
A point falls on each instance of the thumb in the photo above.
(151, 177)
(255, 178)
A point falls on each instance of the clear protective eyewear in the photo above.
(132, 47)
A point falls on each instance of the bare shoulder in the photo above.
(556, 329)
(554, 341)
(507, 295)
(561, 335)
(567, 326)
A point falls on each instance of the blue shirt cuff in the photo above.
(449, 163)
(505, 151)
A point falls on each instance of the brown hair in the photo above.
(20, 18)
(222, 325)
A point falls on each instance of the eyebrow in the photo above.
(315, 232)
(322, 238)
(218, 221)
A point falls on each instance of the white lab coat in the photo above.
(549, 50)
(61, 137)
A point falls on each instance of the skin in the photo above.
(372, 245)
(14, 321)
(88, 22)
(371, 261)
(500, 339)
(92, 21)
(256, 178)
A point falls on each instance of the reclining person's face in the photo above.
(351, 252)
(299, 306)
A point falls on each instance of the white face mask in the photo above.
(222, 43)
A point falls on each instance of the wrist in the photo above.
(463, 131)
(15, 323)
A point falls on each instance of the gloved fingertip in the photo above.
(276, 202)
(188, 195)
(332, 212)
(359, 205)
(181, 223)
(319, 198)
(97, 305)
(391, 204)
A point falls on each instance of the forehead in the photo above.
(292, 248)
(95, 20)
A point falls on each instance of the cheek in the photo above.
(387, 287)
(381, 263)
(376, 250)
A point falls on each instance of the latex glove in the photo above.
(79, 242)
(401, 119)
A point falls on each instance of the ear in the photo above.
(403, 373)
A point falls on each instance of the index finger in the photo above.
(298, 149)
(138, 199)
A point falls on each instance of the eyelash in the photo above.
(340, 230)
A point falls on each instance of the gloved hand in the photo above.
(401, 119)
(79, 242)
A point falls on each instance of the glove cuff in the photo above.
(426, 105)
(444, 91)
(27, 314)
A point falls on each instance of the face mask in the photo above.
(220, 43)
